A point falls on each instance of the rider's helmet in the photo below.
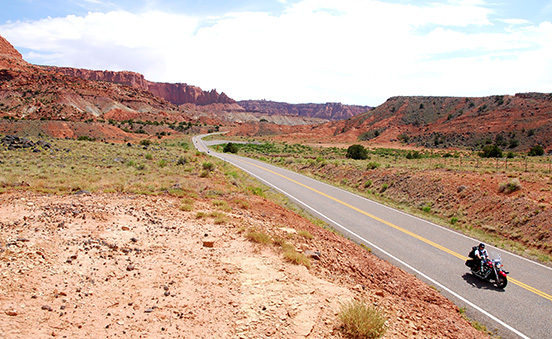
(481, 245)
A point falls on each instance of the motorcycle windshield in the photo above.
(495, 257)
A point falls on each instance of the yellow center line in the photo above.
(427, 241)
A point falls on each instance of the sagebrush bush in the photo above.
(360, 320)
(372, 165)
(510, 186)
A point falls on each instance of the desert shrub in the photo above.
(357, 152)
(360, 320)
(369, 135)
(403, 138)
(182, 161)
(145, 142)
(414, 155)
(230, 148)
(510, 186)
(491, 151)
(513, 143)
(536, 150)
(453, 220)
(426, 208)
(86, 138)
(384, 187)
(372, 165)
(208, 166)
(368, 183)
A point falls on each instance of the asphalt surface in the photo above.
(433, 253)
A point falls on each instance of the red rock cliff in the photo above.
(328, 111)
(177, 94)
(7, 50)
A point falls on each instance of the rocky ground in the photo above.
(109, 265)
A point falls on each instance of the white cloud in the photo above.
(353, 51)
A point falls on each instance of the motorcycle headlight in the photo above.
(498, 265)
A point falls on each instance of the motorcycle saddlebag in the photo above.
(470, 262)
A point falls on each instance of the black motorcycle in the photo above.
(491, 271)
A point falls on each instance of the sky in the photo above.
(358, 52)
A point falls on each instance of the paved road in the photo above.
(433, 253)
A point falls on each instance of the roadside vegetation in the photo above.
(386, 175)
(149, 167)
(360, 320)
(170, 167)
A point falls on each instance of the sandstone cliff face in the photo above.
(35, 92)
(132, 79)
(328, 111)
(7, 50)
(178, 93)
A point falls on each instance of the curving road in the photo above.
(433, 253)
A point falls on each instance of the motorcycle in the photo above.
(491, 271)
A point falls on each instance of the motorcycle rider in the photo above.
(482, 255)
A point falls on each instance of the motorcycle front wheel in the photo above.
(501, 281)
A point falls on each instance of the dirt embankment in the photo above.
(132, 266)
(470, 200)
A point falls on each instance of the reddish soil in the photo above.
(137, 266)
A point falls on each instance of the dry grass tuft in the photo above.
(360, 320)
(258, 237)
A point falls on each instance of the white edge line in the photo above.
(415, 217)
(391, 256)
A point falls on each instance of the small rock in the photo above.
(380, 293)
(125, 228)
(130, 268)
(79, 192)
(208, 242)
(46, 308)
(312, 254)
(11, 313)
(149, 310)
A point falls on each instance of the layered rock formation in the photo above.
(178, 93)
(327, 111)
(7, 50)
(35, 92)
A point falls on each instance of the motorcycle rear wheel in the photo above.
(501, 281)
